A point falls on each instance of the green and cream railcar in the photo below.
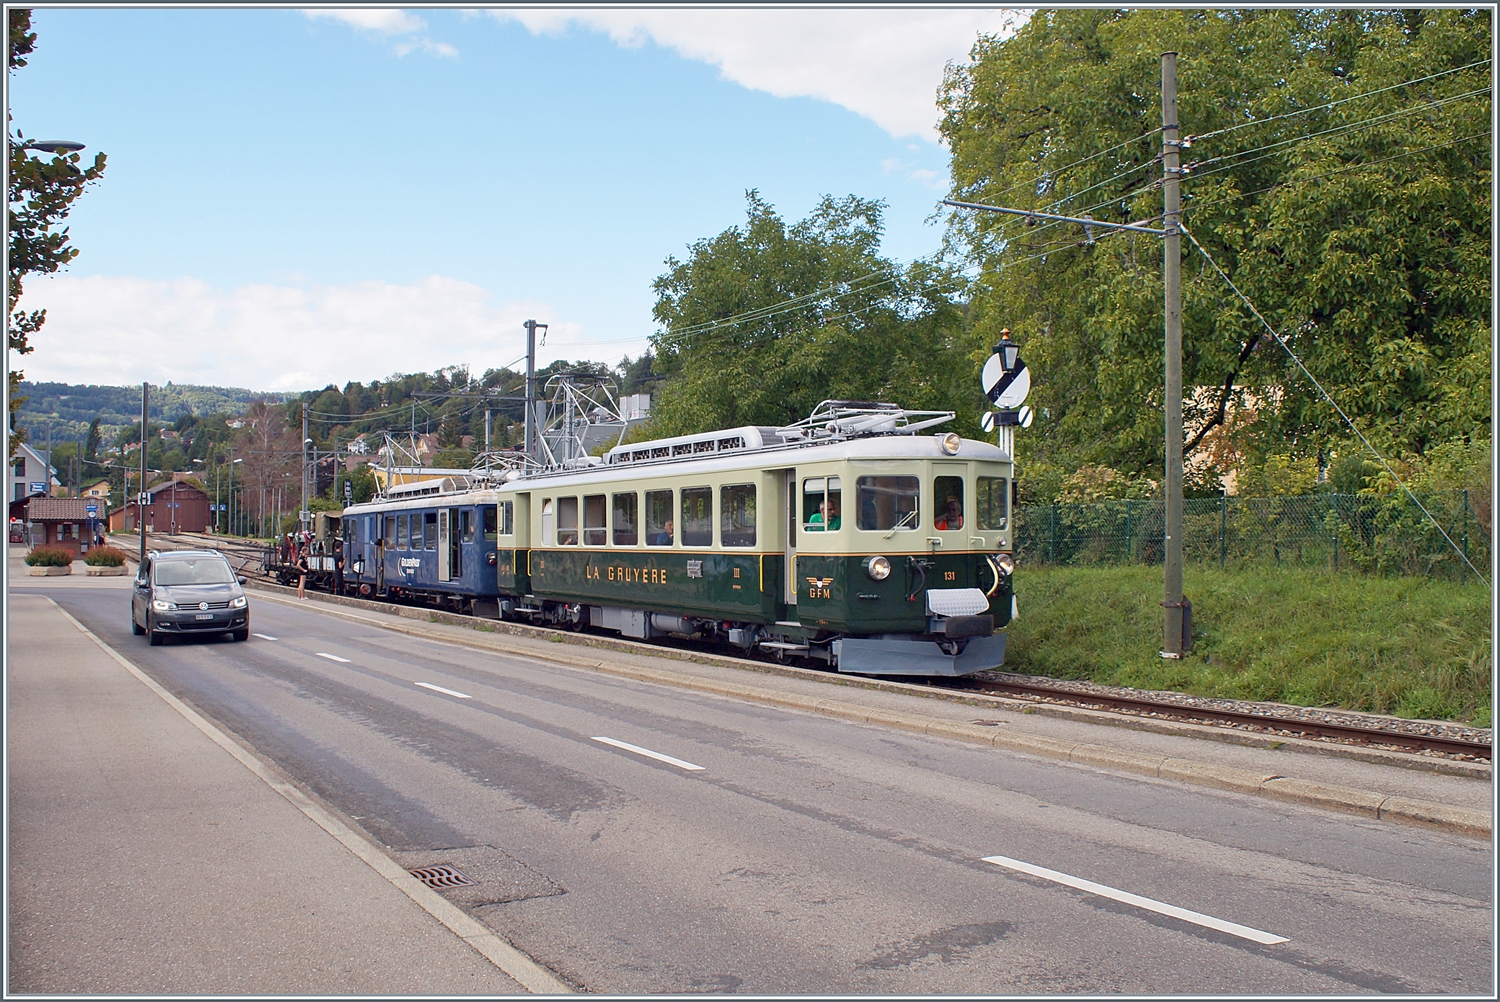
(882, 554)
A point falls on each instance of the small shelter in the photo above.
(64, 522)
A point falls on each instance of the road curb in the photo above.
(1348, 800)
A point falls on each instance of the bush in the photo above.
(50, 556)
(105, 556)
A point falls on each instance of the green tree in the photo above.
(762, 322)
(1350, 205)
(41, 193)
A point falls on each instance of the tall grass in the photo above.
(1409, 646)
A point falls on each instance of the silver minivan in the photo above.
(188, 592)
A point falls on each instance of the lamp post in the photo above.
(302, 512)
(232, 463)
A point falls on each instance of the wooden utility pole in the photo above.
(1172, 639)
(140, 500)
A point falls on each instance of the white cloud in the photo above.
(387, 22)
(883, 64)
(119, 329)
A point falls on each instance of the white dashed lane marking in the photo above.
(438, 688)
(264, 637)
(333, 657)
(1125, 897)
(637, 749)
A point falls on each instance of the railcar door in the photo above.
(460, 531)
(788, 500)
(444, 536)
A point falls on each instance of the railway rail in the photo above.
(1192, 710)
(1419, 736)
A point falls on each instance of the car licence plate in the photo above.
(204, 615)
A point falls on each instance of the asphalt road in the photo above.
(806, 854)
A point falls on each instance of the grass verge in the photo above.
(1408, 646)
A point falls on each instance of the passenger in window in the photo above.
(663, 538)
(952, 516)
(826, 515)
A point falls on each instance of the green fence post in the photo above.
(1129, 551)
(1223, 516)
(1052, 534)
(1468, 514)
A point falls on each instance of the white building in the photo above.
(29, 474)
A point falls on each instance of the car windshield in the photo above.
(206, 570)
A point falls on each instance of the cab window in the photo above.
(948, 502)
(466, 525)
(429, 522)
(822, 504)
(888, 503)
(506, 511)
(737, 515)
(991, 495)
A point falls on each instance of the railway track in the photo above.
(1198, 713)
(1411, 737)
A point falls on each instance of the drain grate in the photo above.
(441, 876)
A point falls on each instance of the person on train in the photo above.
(953, 515)
(663, 538)
(829, 511)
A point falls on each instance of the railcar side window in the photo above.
(390, 530)
(658, 518)
(624, 506)
(400, 532)
(697, 516)
(506, 511)
(549, 520)
(466, 525)
(567, 521)
(822, 504)
(948, 500)
(990, 497)
(429, 520)
(594, 530)
(888, 502)
(737, 515)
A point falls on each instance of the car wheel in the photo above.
(241, 634)
(134, 626)
(152, 636)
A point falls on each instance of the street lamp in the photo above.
(301, 515)
(232, 463)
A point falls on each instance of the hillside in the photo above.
(116, 406)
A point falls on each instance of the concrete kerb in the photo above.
(527, 972)
(1271, 786)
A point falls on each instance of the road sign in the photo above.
(92, 509)
(305, 516)
(348, 489)
(143, 498)
(1006, 389)
(37, 488)
(1019, 418)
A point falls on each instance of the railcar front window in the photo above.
(948, 499)
(567, 521)
(659, 518)
(737, 518)
(429, 522)
(698, 516)
(624, 506)
(822, 504)
(887, 503)
(594, 531)
(991, 501)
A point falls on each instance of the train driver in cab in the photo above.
(952, 516)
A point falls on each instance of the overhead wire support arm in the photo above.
(1034, 214)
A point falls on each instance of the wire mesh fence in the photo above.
(1383, 534)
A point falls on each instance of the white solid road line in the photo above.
(333, 657)
(679, 763)
(438, 688)
(264, 637)
(1197, 918)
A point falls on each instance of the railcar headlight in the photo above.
(879, 568)
(950, 442)
(1005, 562)
(162, 605)
(239, 602)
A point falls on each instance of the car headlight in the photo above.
(950, 442)
(1005, 562)
(879, 568)
(239, 602)
(161, 605)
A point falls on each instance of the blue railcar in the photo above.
(425, 542)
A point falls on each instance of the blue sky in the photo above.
(294, 199)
